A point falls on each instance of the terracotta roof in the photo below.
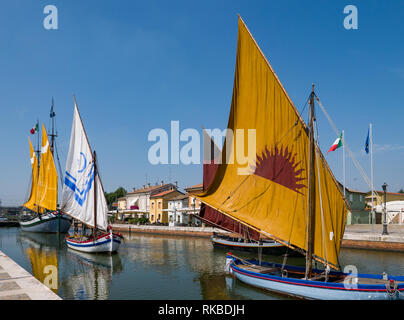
(164, 194)
(351, 190)
(180, 197)
(149, 189)
(197, 186)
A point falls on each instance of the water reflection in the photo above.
(42, 252)
(156, 267)
(91, 275)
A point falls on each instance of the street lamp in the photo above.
(384, 186)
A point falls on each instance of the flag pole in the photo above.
(371, 171)
(343, 160)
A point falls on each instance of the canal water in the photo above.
(155, 267)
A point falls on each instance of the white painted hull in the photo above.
(48, 223)
(104, 243)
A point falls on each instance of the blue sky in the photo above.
(137, 65)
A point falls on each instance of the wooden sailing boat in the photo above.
(83, 195)
(290, 194)
(44, 189)
(249, 239)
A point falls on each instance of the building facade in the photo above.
(194, 204)
(358, 213)
(136, 203)
(159, 205)
(177, 211)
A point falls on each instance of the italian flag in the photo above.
(337, 143)
(34, 129)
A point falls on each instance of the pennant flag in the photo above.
(337, 143)
(34, 129)
(367, 143)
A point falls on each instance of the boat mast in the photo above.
(38, 154)
(311, 198)
(53, 135)
(95, 196)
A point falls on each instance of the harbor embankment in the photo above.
(18, 284)
(174, 230)
(358, 236)
(364, 236)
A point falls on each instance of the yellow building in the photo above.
(122, 204)
(378, 197)
(159, 205)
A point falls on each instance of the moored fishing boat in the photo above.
(84, 197)
(106, 242)
(49, 223)
(44, 187)
(234, 243)
(290, 280)
(287, 192)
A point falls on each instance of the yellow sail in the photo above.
(30, 204)
(270, 193)
(48, 178)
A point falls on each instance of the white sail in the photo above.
(78, 188)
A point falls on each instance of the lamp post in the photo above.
(384, 186)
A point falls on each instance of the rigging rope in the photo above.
(356, 163)
(325, 254)
(60, 168)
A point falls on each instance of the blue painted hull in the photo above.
(364, 286)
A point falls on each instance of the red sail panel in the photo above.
(211, 216)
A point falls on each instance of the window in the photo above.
(159, 204)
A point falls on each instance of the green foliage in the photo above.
(401, 191)
(114, 196)
(141, 220)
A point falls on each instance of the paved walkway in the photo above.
(191, 231)
(370, 237)
(392, 229)
(18, 284)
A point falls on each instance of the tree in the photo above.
(401, 190)
(114, 196)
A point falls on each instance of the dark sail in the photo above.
(209, 215)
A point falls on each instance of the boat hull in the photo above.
(49, 223)
(273, 247)
(104, 243)
(321, 290)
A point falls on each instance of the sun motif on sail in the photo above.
(280, 166)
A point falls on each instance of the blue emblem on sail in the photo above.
(80, 195)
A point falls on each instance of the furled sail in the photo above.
(269, 192)
(208, 214)
(78, 189)
(30, 204)
(47, 190)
